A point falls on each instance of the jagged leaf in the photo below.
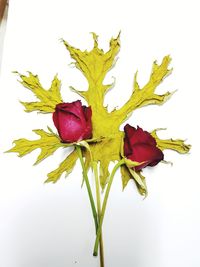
(139, 179)
(94, 65)
(48, 99)
(126, 175)
(142, 189)
(130, 164)
(146, 95)
(66, 166)
(48, 144)
(106, 151)
(177, 145)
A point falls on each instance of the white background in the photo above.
(51, 225)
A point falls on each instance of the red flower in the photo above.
(140, 146)
(73, 121)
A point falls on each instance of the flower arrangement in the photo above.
(94, 132)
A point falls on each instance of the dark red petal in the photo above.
(74, 108)
(144, 137)
(55, 119)
(129, 130)
(144, 152)
(88, 113)
(87, 134)
(73, 121)
(127, 147)
(138, 135)
(70, 127)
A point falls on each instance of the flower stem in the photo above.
(85, 176)
(104, 205)
(98, 198)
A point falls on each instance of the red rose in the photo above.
(140, 146)
(73, 121)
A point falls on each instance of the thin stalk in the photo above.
(104, 205)
(98, 199)
(85, 177)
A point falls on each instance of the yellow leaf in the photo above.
(130, 164)
(146, 95)
(48, 98)
(48, 143)
(66, 166)
(177, 145)
(94, 65)
(140, 181)
(106, 151)
(126, 176)
(142, 189)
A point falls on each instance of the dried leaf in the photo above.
(126, 175)
(177, 145)
(142, 189)
(48, 98)
(66, 166)
(106, 151)
(130, 164)
(94, 65)
(125, 170)
(146, 95)
(48, 143)
(139, 179)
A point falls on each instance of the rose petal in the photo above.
(73, 121)
(87, 134)
(74, 108)
(127, 147)
(70, 128)
(144, 137)
(148, 153)
(88, 113)
(129, 130)
(138, 135)
(55, 119)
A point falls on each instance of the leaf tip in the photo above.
(15, 72)
(95, 39)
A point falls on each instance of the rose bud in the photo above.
(73, 121)
(140, 146)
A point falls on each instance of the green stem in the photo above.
(85, 176)
(98, 198)
(104, 205)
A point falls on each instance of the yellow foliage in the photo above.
(48, 144)
(66, 166)
(128, 174)
(48, 98)
(177, 145)
(94, 65)
(146, 95)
